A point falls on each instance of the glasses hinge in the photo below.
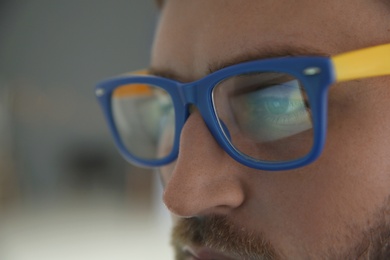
(99, 92)
(311, 71)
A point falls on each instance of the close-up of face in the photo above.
(337, 207)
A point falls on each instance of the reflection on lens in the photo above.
(144, 117)
(267, 115)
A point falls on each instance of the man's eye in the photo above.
(276, 106)
(272, 113)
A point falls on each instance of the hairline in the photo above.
(159, 3)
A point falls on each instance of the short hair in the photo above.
(160, 3)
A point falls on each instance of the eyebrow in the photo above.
(266, 53)
(252, 55)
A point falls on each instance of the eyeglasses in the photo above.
(267, 114)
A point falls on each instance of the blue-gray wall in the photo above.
(51, 54)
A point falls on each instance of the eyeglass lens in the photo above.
(266, 116)
(145, 120)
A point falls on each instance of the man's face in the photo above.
(335, 208)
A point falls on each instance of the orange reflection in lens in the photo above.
(132, 90)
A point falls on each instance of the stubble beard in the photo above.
(220, 234)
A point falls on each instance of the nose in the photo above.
(205, 180)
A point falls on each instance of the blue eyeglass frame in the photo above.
(316, 75)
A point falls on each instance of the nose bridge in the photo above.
(204, 179)
(187, 192)
(189, 93)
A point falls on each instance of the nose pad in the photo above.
(193, 108)
(225, 129)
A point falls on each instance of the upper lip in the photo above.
(202, 253)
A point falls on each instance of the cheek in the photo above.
(355, 165)
(358, 140)
(358, 127)
(345, 187)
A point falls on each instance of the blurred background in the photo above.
(65, 192)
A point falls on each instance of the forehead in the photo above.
(194, 34)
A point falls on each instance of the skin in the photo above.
(335, 208)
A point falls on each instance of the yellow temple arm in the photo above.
(364, 63)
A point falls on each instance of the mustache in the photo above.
(220, 234)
